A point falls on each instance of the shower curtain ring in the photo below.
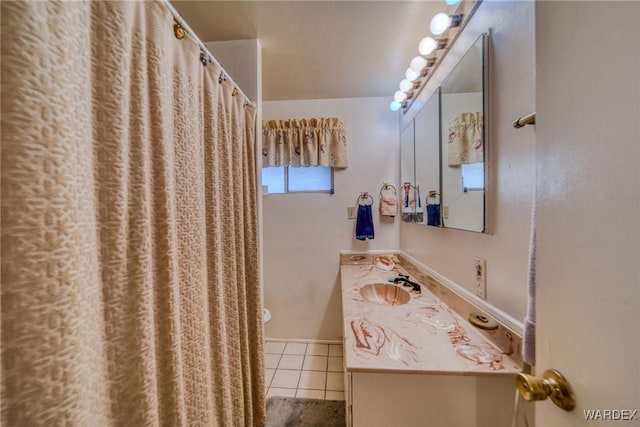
(234, 92)
(205, 58)
(222, 77)
(178, 31)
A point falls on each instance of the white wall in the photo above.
(242, 59)
(304, 233)
(512, 168)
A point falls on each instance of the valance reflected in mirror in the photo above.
(463, 140)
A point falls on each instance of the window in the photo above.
(291, 179)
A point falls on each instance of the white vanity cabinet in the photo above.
(422, 400)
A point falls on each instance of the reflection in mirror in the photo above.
(463, 143)
(407, 170)
(427, 149)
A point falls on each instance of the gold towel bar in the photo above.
(529, 119)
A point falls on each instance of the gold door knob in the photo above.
(552, 384)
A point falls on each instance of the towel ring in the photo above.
(432, 195)
(387, 186)
(408, 185)
(364, 196)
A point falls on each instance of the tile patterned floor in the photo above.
(304, 370)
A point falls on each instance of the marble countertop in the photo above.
(421, 336)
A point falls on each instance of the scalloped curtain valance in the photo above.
(305, 142)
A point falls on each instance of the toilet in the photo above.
(266, 316)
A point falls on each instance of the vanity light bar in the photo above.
(422, 66)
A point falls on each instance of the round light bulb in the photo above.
(406, 85)
(427, 45)
(440, 23)
(399, 96)
(452, 2)
(395, 106)
(411, 75)
(417, 64)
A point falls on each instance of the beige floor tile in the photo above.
(313, 380)
(315, 363)
(334, 395)
(271, 360)
(285, 378)
(268, 376)
(291, 361)
(335, 381)
(318, 349)
(321, 376)
(335, 350)
(295, 348)
(285, 392)
(310, 394)
(335, 364)
(274, 347)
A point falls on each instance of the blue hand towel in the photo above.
(364, 223)
(433, 214)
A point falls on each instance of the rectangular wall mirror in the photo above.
(407, 167)
(407, 154)
(427, 168)
(463, 140)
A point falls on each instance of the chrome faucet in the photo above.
(404, 281)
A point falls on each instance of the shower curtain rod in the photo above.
(195, 37)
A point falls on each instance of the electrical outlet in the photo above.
(351, 212)
(481, 277)
(445, 212)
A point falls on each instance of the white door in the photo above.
(588, 218)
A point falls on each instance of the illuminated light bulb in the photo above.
(427, 45)
(395, 106)
(411, 75)
(399, 96)
(417, 64)
(406, 85)
(440, 23)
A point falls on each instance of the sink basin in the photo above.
(384, 294)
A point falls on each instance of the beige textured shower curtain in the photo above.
(130, 289)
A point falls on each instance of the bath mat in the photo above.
(296, 412)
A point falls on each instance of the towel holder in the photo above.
(387, 186)
(529, 119)
(364, 196)
(433, 197)
(409, 186)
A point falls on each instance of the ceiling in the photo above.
(320, 49)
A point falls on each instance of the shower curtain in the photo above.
(130, 286)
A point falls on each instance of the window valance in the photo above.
(305, 142)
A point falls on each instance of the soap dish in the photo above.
(482, 321)
(385, 263)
